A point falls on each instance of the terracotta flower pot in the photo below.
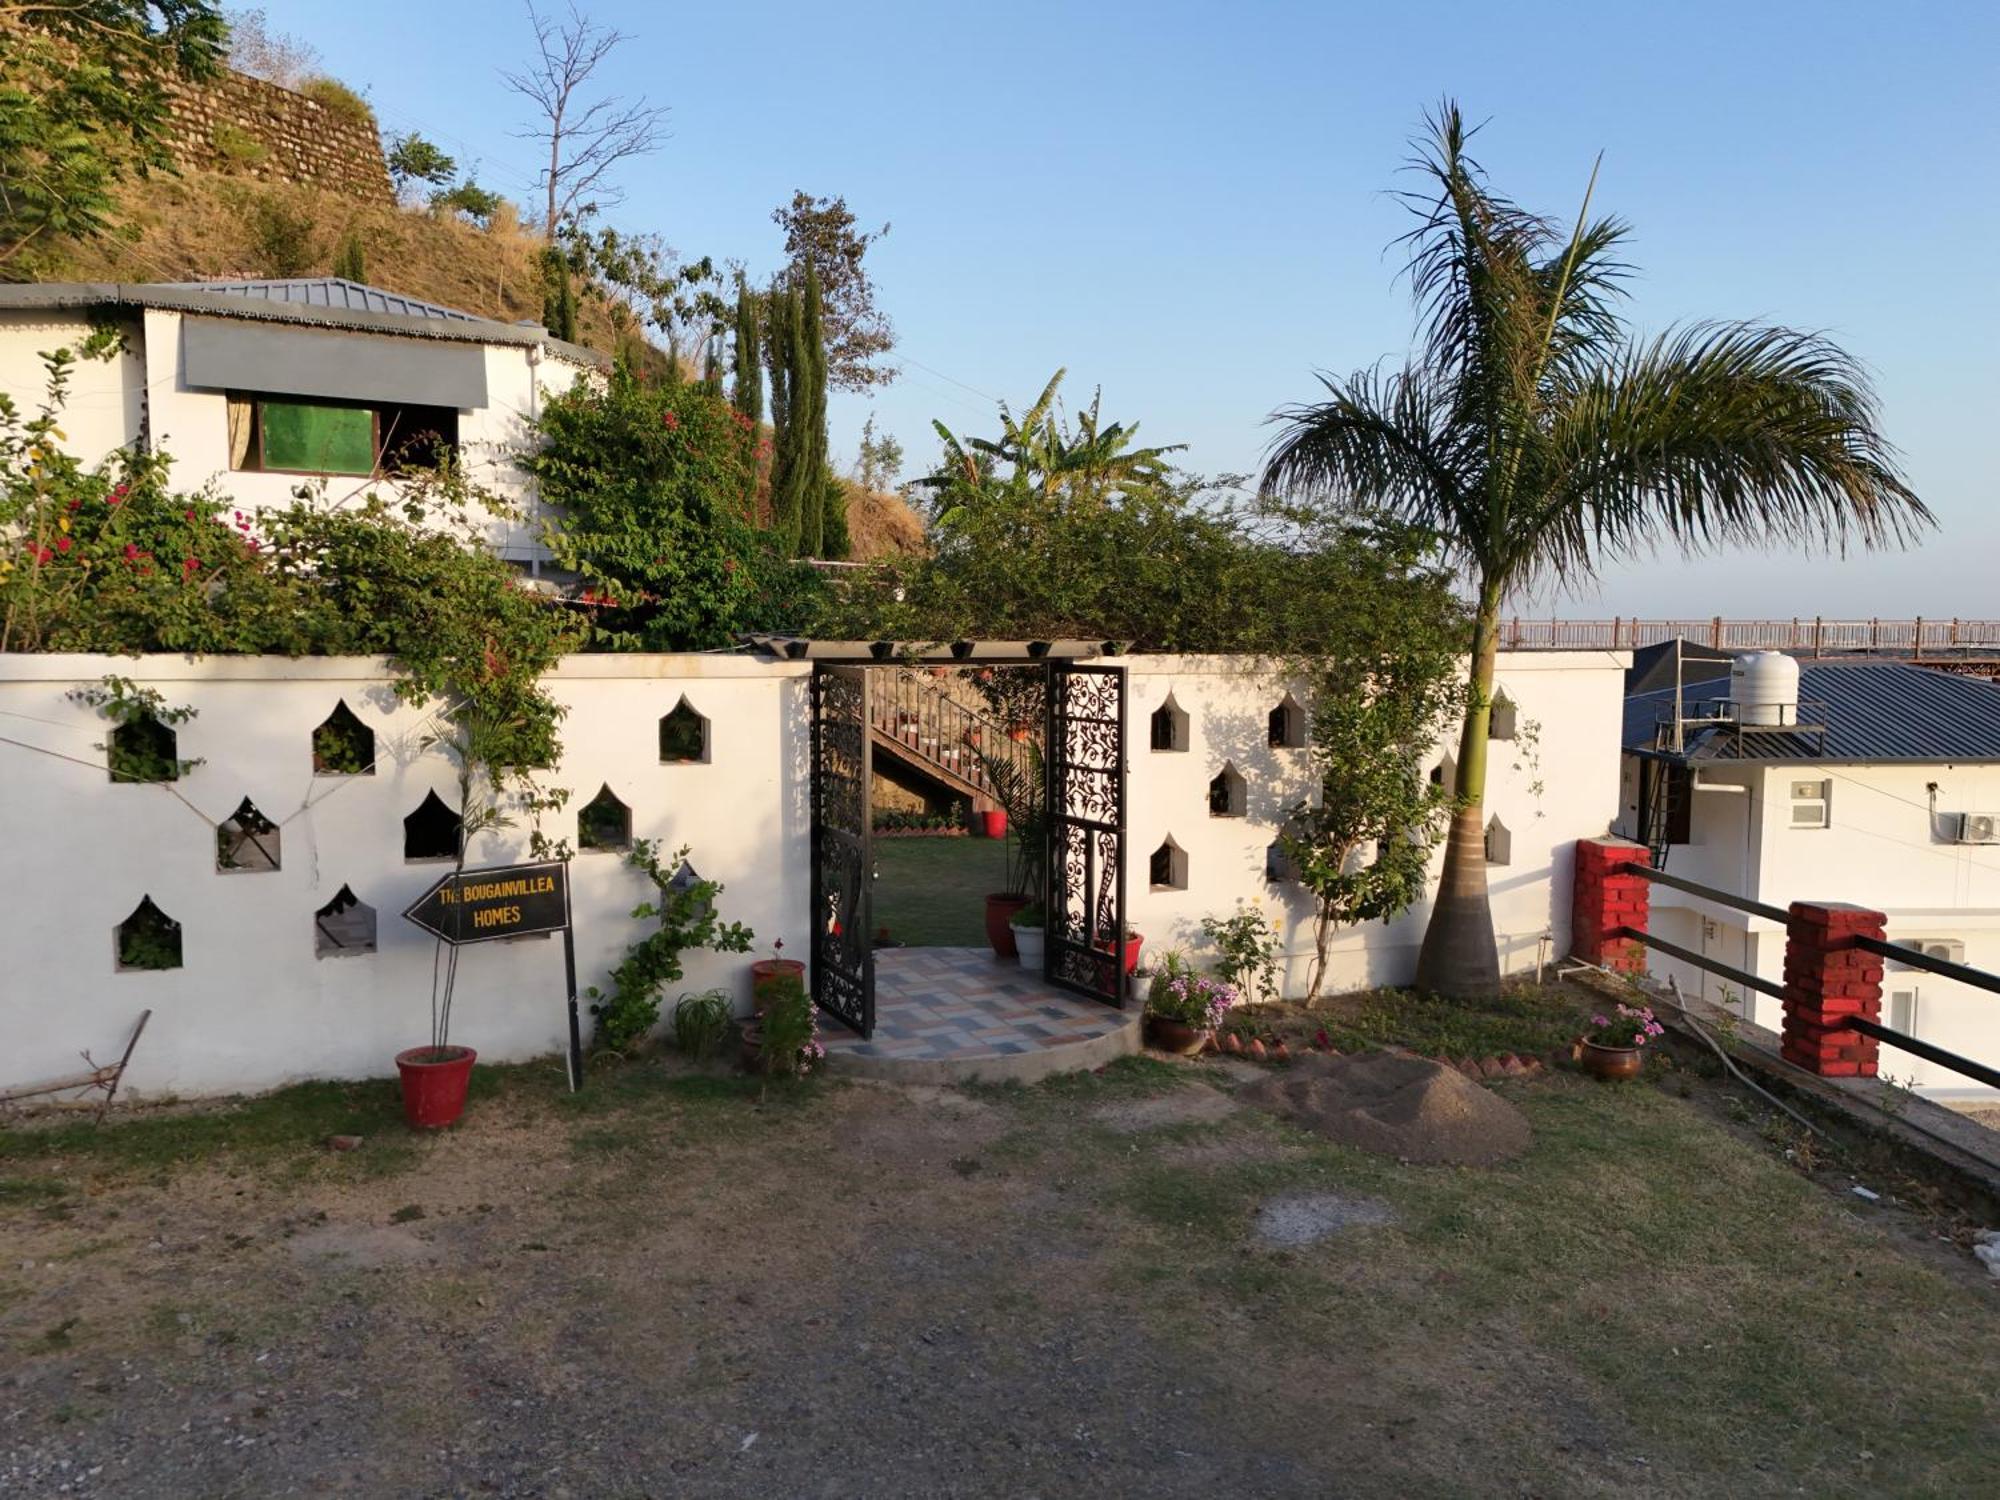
(1133, 943)
(766, 972)
(1612, 1063)
(1177, 1037)
(1001, 907)
(434, 1084)
(751, 1046)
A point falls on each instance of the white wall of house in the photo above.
(252, 1006)
(1888, 843)
(1555, 783)
(142, 394)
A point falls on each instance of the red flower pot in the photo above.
(766, 972)
(434, 1084)
(1000, 910)
(993, 822)
(1132, 946)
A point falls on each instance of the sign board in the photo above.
(477, 906)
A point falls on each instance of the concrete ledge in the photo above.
(998, 1067)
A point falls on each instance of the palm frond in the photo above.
(1717, 433)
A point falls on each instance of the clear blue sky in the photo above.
(1188, 204)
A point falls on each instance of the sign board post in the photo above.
(480, 906)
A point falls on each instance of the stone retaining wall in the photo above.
(245, 126)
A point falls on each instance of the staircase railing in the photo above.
(918, 714)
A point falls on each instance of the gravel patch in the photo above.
(1304, 1218)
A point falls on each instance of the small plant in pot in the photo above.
(1017, 783)
(768, 975)
(1029, 939)
(1613, 1046)
(782, 1041)
(1184, 1008)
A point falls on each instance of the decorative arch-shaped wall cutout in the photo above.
(1445, 775)
(1279, 867)
(1499, 842)
(683, 736)
(345, 926)
(143, 749)
(342, 745)
(1169, 726)
(685, 879)
(247, 842)
(1168, 868)
(1228, 793)
(1503, 718)
(604, 822)
(1286, 727)
(432, 831)
(148, 939)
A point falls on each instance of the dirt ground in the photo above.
(672, 1289)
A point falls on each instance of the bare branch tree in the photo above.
(586, 137)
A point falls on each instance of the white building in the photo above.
(1874, 783)
(257, 387)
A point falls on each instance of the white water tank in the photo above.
(1764, 686)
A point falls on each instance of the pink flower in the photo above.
(63, 544)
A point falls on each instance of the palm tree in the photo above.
(1533, 436)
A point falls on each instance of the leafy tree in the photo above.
(879, 460)
(586, 138)
(83, 106)
(1535, 436)
(648, 481)
(820, 232)
(1361, 844)
(643, 285)
(747, 391)
(470, 199)
(415, 163)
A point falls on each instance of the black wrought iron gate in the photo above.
(1086, 791)
(843, 956)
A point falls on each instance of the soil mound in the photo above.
(1397, 1105)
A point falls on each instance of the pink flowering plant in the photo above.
(1197, 1000)
(1630, 1026)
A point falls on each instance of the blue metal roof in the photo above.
(1871, 711)
(331, 292)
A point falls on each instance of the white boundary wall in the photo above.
(253, 1007)
(1573, 700)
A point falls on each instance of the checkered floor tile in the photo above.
(954, 1004)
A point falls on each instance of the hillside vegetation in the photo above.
(207, 226)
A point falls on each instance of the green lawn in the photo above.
(931, 893)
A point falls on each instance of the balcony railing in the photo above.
(1913, 638)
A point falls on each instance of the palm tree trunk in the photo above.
(1460, 958)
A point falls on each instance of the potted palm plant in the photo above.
(1017, 784)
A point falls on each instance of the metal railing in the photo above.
(920, 715)
(1820, 636)
(1898, 952)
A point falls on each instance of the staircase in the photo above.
(914, 719)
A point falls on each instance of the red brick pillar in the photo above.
(1603, 899)
(1827, 980)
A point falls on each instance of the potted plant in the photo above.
(1026, 927)
(1611, 1048)
(1134, 942)
(1184, 1008)
(1017, 784)
(767, 974)
(782, 1041)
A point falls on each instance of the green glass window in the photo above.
(317, 439)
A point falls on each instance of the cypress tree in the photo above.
(787, 416)
(558, 296)
(749, 392)
(809, 416)
(348, 262)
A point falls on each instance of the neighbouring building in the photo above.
(1873, 783)
(258, 387)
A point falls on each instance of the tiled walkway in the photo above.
(963, 1005)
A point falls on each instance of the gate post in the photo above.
(1827, 981)
(1604, 898)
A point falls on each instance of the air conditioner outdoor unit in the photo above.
(1951, 950)
(1979, 828)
